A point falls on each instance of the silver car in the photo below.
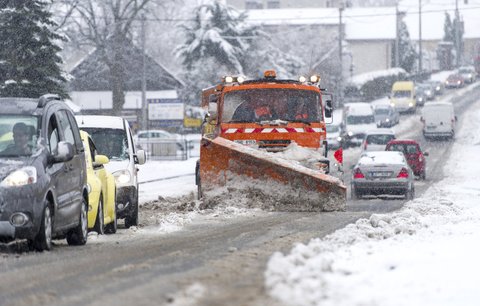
(382, 173)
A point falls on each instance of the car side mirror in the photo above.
(63, 153)
(100, 160)
(425, 153)
(140, 157)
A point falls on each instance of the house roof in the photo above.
(92, 74)
(377, 23)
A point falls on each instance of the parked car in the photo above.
(413, 153)
(102, 211)
(468, 73)
(438, 120)
(44, 193)
(113, 137)
(386, 115)
(376, 140)
(382, 173)
(454, 81)
(143, 138)
(437, 85)
(333, 136)
(358, 118)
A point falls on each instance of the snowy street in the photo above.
(180, 255)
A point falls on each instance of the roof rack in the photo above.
(43, 100)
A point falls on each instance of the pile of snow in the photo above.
(424, 254)
(360, 79)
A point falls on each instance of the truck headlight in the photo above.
(122, 176)
(21, 177)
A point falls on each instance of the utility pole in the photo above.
(144, 80)
(420, 36)
(457, 34)
(397, 36)
(340, 52)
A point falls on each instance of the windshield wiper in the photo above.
(301, 121)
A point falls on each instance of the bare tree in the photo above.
(108, 25)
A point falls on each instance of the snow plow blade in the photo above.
(233, 172)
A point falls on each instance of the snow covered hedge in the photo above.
(372, 85)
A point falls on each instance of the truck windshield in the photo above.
(255, 105)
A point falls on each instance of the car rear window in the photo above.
(379, 139)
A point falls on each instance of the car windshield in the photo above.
(381, 111)
(18, 135)
(333, 128)
(405, 148)
(360, 119)
(402, 94)
(379, 139)
(110, 142)
(285, 104)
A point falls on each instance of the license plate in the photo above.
(246, 141)
(380, 174)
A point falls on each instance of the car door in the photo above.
(58, 172)
(75, 167)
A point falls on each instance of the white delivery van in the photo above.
(358, 118)
(438, 120)
(113, 137)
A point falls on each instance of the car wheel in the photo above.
(78, 235)
(99, 226)
(410, 194)
(132, 218)
(43, 240)
(111, 228)
(354, 194)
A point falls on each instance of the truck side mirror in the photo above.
(212, 110)
(328, 98)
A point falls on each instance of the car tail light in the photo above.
(403, 173)
(357, 174)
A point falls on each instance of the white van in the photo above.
(358, 118)
(113, 137)
(438, 120)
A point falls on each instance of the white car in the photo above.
(145, 138)
(333, 136)
(468, 73)
(376, 140)
(113, 137)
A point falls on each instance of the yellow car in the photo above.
(102, 214)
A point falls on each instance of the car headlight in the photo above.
(420, 99)
(410, 104)
(21, 177)
(122, 176)
(437, 88)
(339, 138)
(350, 133)
(387, 120)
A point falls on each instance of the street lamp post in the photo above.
(340, 51)
(420, 58)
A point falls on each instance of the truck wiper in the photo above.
(301, 121)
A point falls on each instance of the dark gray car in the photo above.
(382, 173)
(386, 115)
(43, 187)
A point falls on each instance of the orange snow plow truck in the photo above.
(264, 141)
